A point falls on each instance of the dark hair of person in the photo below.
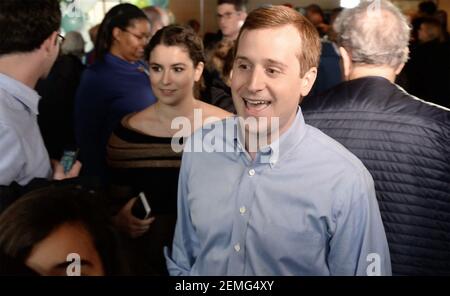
(182, 36)
(239, 5)
(314, 8)
(176, 35)
(34, 216)
(428, 7)
(120, 16)
(26, 24)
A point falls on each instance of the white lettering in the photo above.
(74, 268)
(374, 268)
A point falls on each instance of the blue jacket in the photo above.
(109, 89)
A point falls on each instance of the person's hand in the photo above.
(58, 170)
(129, 224)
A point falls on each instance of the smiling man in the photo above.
(299, 204)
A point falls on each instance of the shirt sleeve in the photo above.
(185, 242)
(359, 245)
(11, 159)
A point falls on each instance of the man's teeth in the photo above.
(256, 102)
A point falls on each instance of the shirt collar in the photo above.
(273, 152)
(26, 95)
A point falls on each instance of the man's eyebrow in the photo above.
(277, 63)
(267, 61)
(242, 58)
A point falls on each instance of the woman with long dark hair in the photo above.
(115, 85)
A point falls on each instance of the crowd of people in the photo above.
(288, 143)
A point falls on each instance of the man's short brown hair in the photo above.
(278, 16)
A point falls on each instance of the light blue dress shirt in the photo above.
(304, 206)
(23, 155)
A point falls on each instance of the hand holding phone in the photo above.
(141, 208)
(68, 159)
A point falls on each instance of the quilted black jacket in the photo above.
(405, 144)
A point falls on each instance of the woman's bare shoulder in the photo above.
(213, 111)
(142, 121)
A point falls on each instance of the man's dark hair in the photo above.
(314, 8)
(26, 24)
(428, 7)
(239, 5)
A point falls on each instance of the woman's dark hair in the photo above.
(175, 35)
(34, 216)
(183, 36)
(120, 16)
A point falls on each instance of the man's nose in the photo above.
(256, 81)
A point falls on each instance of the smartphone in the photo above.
(68, 159)
(141, 208)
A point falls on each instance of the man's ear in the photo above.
(49, 43)
(308, 81)
(346, 61)
(198, 71)
(399, 69)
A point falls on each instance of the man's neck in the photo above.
(21, 67)
(254, 142)
(231, 37)
(367, 70)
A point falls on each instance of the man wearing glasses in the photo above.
(29, 45)
(231, 15)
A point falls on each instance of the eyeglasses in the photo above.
(61, 39)
(145, 38)
(226, 15)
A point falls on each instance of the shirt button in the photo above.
(242, 210)
(237, 247)
(251, 172)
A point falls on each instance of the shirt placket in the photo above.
(241, 215)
